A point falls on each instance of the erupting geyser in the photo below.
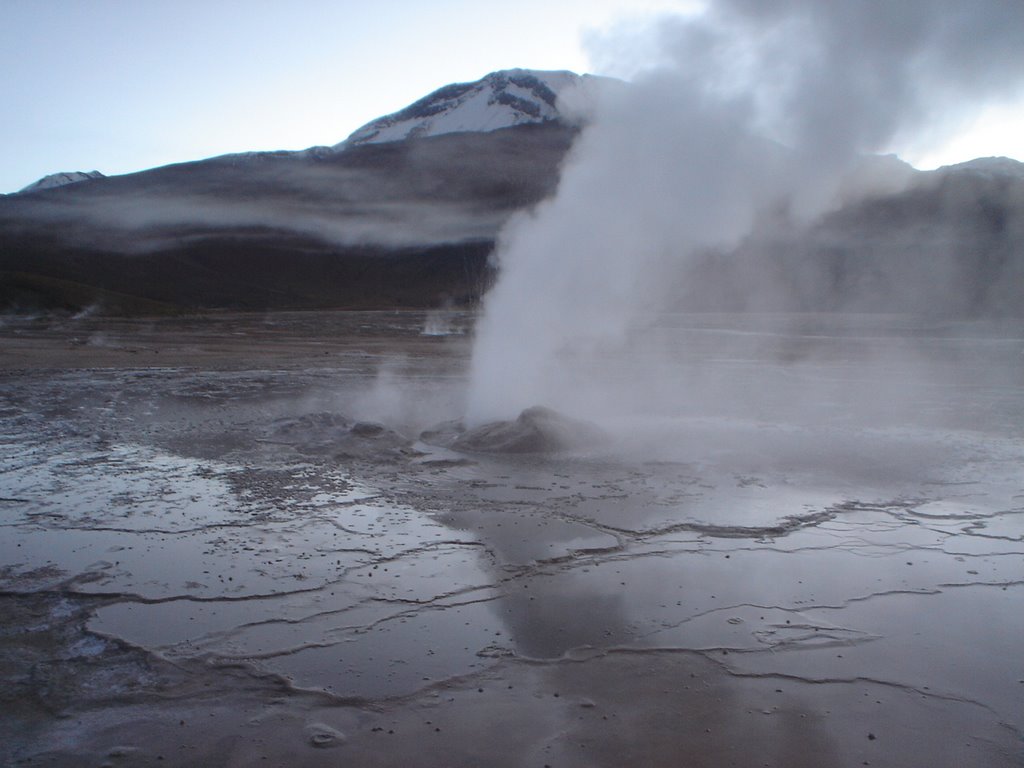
(751, 113)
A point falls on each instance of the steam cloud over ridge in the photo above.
(749, 114)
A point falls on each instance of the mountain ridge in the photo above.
(500, 99)
(413, 222)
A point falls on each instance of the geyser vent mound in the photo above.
(535, 430)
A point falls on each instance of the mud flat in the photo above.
(224, 543)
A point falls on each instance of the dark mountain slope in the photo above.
(378, 223)
(951, 245)
(395, 224)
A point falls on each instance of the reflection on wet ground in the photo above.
(225, 544)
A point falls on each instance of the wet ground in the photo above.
(224, 543)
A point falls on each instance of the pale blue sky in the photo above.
(124, 85)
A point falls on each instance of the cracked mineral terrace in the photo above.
(224, 543)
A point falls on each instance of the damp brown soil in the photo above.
(224, 543)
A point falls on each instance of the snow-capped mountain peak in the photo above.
(60, 180)
(498, 100)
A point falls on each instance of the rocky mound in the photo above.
(331, 434)
(535, 430)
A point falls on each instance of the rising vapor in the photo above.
(749, 113)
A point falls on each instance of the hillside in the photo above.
(406, 223)
(406, 212)
(951, 245)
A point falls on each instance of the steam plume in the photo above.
(751, 110)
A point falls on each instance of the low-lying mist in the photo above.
(749, 119)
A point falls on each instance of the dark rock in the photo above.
(367, 429)
(333, 434)
(536, 430)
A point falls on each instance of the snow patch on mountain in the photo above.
(498, 100)
(60, 180)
